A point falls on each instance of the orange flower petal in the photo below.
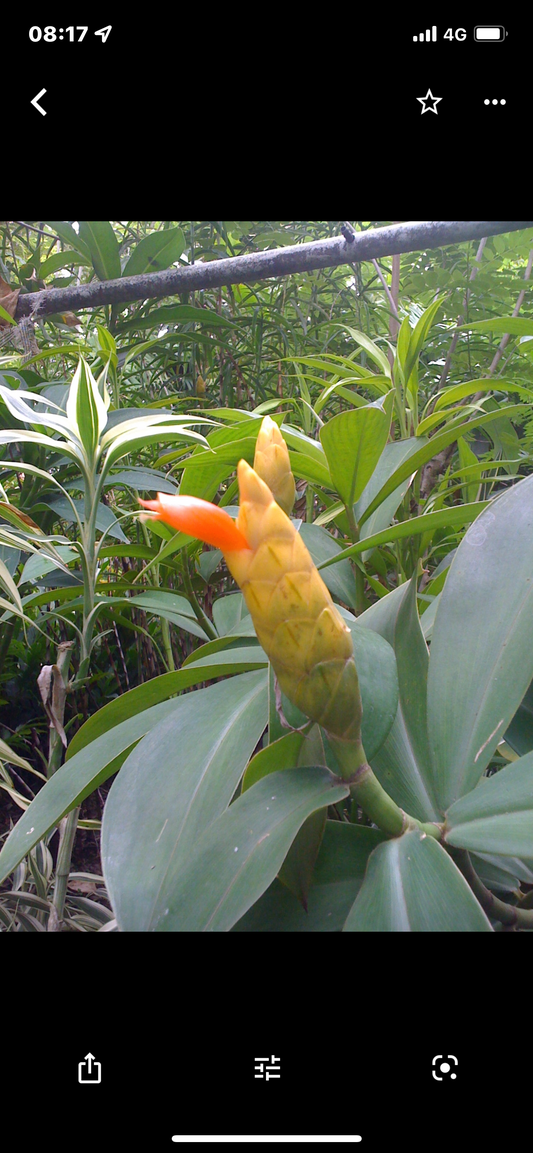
(199, 518)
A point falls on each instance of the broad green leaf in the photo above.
(108, 345)
(490, 869)
(391, 458)
(297, 869)
(228, 612)
(230, 454)
(179, 314)
(286, 752)
(307, 468)
(503, 435)
(155, 600)
(412, 886)
(155, 252)
(239, 854)
(434, 446)
(106, 520)
(60, 260)
(97, 752)
(402, 762)
(142, 479)
(519, 735)
(467, 459)
(497, 816)
(337, 878)
(170, 790)
(482, 647)
(280, 754)
(127, 417)
(297, 440)
(402, 347)
(378, 682)
(102, 244)
(38, 564)
(69, 236)
(353, 442)
(170, 607)
(207, 562)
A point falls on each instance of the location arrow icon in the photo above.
(36, 105)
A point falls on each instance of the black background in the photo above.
(356, 1022)
(180, 77)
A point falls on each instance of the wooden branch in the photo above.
(407, 237)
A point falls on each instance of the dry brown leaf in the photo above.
(8, 300)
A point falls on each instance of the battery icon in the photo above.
(490, 33)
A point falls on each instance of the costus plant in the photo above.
(378, 808)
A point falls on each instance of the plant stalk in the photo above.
(67, 832)
(493, 906)
(201, 617)
(366, 791)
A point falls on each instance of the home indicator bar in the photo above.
(271, 1140)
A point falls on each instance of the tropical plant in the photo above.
(199, 833)
(396, 445)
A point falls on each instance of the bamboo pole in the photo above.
(409, 236)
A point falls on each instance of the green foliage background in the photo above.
(451, 375)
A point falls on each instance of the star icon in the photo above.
(429, 102)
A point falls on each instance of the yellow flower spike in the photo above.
(302, 632)
(272, 464)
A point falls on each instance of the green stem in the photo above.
(201, 617)
(55, 745)
(498, 910)
(67, 827)
(165, 637)
(360, 602)
(366, 791)
(67, 832)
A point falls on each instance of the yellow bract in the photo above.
(272, 464)
(296, 621)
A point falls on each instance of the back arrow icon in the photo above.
(36, 105)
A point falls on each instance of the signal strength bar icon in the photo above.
(427, 35)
